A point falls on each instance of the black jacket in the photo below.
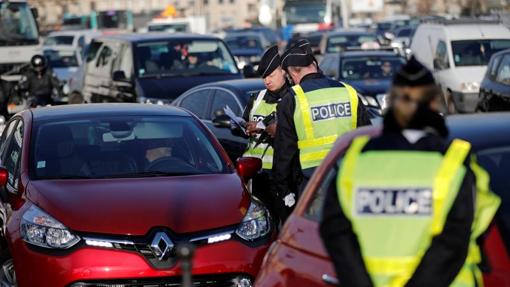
(40, 88)
(287, 171)
(447, 252)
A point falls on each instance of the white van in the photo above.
(458, 52)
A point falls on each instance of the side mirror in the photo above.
(4, 176)
(35, 12)
(248, 167)
(119, 76)
(249, 71)
(221, 121)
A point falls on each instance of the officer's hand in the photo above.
(271, 130)
(251, 128)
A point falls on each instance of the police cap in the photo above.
(269, 62)
(299, 55)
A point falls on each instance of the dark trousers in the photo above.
(261, 189)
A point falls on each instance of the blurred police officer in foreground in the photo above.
(309, 121)
(39, 82)
(260, 115)
(400, 210)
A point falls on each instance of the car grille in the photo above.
(198, 281)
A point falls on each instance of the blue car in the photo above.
(369, 72)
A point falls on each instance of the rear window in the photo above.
(342, 42)
(122, 147)
(59, 40)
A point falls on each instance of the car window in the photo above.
(338, 43)
(314, 209)
(122, 147)
(441, 61)
(493, 69)
(5, 136)
(197, 103)
(497, 163)
(92, 50)
(59, 40)
(13, 153)
(81, 42)
(221, 100)
(370, 67)
(503, 75)
(477, 52)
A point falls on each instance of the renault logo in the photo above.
(161, 245)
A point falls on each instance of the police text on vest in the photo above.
(331, 111)
(408, 201)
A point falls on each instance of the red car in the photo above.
(101, 195)
(298, 258)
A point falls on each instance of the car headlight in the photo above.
(40, 229)
(256, 223)
(369, 101)
(470, 87)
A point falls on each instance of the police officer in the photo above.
(257, 115)
(400, 210)
(309, 121)
(40, 82)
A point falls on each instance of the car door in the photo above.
(488, 86)
(234, 145)
(122, 89)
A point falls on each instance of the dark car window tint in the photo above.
(14, 155)
(497, 163)
(105, 57)
(197, 103)
(314, 208)
(223, 99)
(503, 75)
(441, 59)
(92, 50)
(493, 69)
(122, 147)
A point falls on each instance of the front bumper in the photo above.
(94, 266)
(465, 102)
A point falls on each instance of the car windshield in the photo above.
(476, 52)
(237, 42)
(338, 43)
(59, 40)
(17, 23)
(370, 68)
(299, 12)
(183, 58)
(497, 163)
(61, 59)
(122, 147)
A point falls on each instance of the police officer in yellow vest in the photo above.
(401, 210)
(258, 112)
(309, 122)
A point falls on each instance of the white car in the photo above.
(458, 52)
(70, 39)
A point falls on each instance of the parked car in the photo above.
(247, 47)
(458, 52)
(298, 258)
(154, 67)
(70, 39)
(495, 88)
(401, 38)
(345, 39)
(369, 72)
(101, 195)
(269, 34)
(208, 100)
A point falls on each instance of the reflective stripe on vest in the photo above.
(320, 117)
(259, 111)
(397, 201)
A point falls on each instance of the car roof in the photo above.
(361, 53)
(471, 31)
(482, 130)
(149, 37)
(240, 86)
(67, 112)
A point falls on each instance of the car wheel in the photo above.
(7, 273)
(75, 98)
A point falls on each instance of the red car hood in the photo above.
(134, 206)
